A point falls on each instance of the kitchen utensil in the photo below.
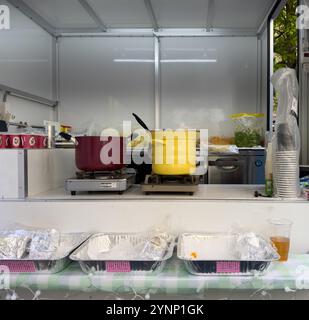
(140, 121)
(173, 152)
(51, 136)
(89, 152)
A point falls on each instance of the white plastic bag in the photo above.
(286, 140)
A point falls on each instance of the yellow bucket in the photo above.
(174, 152)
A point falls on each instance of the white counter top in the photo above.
(205, 192)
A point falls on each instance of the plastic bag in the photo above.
(248, 129)
(286, 140)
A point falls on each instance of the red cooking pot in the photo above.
(96, 153)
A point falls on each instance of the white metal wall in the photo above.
(219, 79)
(105, 80)
(26, 64)
(203, 80)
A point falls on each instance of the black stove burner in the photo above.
(172, 180)
(103, 175)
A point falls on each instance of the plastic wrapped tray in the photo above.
(117, 265)
(220, 261)
(68, 243)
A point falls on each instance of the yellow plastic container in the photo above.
(174, 152)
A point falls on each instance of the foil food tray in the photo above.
(123, 263)
(59, 261)
(220, 260)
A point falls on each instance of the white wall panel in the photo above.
(62, 14)
(105, 80)
(181, 13)
(26, 56)
(240, 13)
(206, 79)
(26, 64)
(122, 13)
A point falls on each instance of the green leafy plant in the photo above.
(285, 37)
(285, 40)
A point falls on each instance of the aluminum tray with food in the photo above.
(215, 254)
(124, 253)
(68, 242)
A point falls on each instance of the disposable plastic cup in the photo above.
(280, 234)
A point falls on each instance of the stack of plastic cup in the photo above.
(286, 170)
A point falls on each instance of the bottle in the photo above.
(269, 185)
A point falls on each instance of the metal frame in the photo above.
(259, 76)
(147, 32)
(270, 68)
(155, 32)
(27, 96)
(157, 82)
(22, 174)
(273, 14)
(25, 9)
(210, 14)
(93, 15)
(55, 77)
(152, 15)
(169, 32)
(273, 11)
(303, 98)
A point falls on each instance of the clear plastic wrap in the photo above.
(121, 252)
(286, 139)
(14, 244)
(25, 249)
(44, 244)
(223, 149)
(252, 246)
(237, 252)
(24, 242)
(248, 129)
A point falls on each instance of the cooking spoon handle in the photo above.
(140, 121)
(68, 137)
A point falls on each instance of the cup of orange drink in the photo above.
(280, 234)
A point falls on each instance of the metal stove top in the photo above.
(116, 181)
(170, 184)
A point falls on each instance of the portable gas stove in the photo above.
(173, 184)
(112, 181)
